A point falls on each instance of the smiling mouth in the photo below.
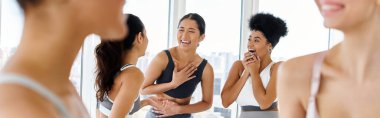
(185, 42)
(331, 8)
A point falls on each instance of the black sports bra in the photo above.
(186, 89)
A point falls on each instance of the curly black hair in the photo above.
(272, 27)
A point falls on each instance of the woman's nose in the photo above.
(251, 46)
(184, 35)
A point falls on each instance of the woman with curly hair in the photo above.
(251, 82)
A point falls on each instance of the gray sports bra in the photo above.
(105, 106)
(24, 81)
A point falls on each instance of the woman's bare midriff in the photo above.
(182, 101)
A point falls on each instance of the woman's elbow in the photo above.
(264, 106)
(225, 104)
(144, 91)
(208, 104)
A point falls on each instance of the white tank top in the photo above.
(246, 97)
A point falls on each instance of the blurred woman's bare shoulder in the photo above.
(295, 75)
(19, 101)
(299, 67)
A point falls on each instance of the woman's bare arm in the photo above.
(207, 93)
(293, 85)
(235, 82)
(171, 108)
(265, 96)
(154, 70)
(132, 79)
(178, 77)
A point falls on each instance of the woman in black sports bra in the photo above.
(174, 73)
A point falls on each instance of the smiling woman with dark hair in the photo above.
(174, 74)
(251, 82)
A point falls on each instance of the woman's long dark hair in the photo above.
(109, 56)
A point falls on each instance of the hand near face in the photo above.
(251, 62)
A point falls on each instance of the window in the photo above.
(336, 37)
(156, 27)
(11, 29)
(220, 46)
(76, 73)
(305, 24)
